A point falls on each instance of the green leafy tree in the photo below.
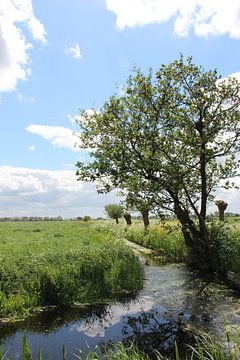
(173, 137)
(86, 218)
(114, 211)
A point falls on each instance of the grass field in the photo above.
(54, 263)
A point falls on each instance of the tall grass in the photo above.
(165, 237)
(205, 348)
(62, 263)
(225, 246)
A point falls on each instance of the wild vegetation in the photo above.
(55, 263)
(166, 238)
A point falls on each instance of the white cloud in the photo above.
(38, 192)
(59, 136)
(74, 51)
(32, 148)
(14, 46)
(215, 17)
(26, 99)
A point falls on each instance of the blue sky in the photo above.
(59, 56)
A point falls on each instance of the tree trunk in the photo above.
(128, 219)
(196, 239)
(222, 205)
(189, 230)
(145, 217)
(221, 214)
(117, 222)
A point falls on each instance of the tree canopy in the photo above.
(114, 211)
(172, 137)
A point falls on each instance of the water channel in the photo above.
(172, 296)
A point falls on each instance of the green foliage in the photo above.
(114, 211)
(165, 238)
(225, 247)
(86, 218)
(164, 139)
(84, 265)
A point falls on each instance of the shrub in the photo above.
(225, 247)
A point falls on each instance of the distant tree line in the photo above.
(31, 218)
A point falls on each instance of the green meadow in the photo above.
(65, 262)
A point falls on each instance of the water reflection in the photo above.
(174, 299)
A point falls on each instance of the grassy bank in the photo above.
(54, 263)
(166, 238)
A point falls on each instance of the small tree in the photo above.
(114, 211)
(222, 205)
(86, 218)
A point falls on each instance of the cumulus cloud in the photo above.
(74, 51)
(39, 192)
(215, 17)
(58, 135)
(14, 46)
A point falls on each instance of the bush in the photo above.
(225, 247)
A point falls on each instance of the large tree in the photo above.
(173, 137)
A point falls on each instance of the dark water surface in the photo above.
(172, 296)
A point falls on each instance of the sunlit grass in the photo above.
(55, 263)
(164, 237)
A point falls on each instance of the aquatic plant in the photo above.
(205, 348)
